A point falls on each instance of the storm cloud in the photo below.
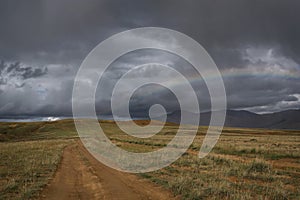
(255, 44)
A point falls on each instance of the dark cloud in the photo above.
(255, 43)
(66, 30)
(9, 72)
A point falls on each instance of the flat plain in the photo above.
(245, 164)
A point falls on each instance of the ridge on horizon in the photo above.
(286, 119)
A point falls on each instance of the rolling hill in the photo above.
(289, 119)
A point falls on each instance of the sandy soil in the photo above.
(81, 176)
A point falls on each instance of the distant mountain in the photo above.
(289, 119)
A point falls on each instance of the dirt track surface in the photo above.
(81, 176)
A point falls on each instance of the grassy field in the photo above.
(30, 154)
(26, 167)
(245, 163)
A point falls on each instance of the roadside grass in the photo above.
(245, 164)
(26, 167)
(218, 178)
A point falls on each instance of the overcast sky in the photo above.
(255, 44)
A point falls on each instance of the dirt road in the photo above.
(81, 176)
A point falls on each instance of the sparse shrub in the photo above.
(253, 140)
(259, 166)
(221, 161)
(253, 150)
(242, 151)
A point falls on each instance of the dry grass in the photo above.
(245, 163)
(26, 167)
